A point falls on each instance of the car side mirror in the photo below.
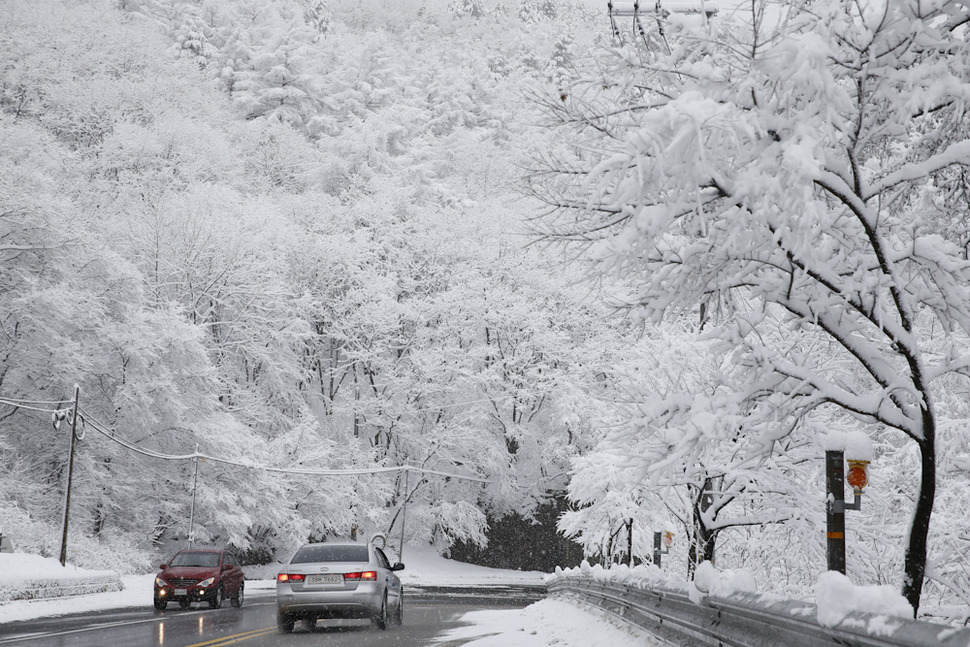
(227, 567)
(398, 567)
(163, 566)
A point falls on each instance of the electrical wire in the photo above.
(490, 400)
(26, 404)
(307, 471)
(61, 402)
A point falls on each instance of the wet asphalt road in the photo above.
(429, 612)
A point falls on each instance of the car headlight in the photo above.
(206, 583)
(159, 582)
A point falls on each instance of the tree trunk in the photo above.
(915, 560)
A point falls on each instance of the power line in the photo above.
(27, 404)
(306, 471)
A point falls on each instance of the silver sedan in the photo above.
(339, 580)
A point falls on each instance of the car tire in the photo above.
(237, 599)
(399, 612)
(184, 604)
(380, 620)
(161, 604)
(216, 602)
(284, 623)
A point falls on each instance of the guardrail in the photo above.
(749, 620)
(41, 589)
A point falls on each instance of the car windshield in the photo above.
(330, 554)
(195, 559)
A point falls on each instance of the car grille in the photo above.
(181, 582)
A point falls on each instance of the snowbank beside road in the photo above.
(835, 595)
(547, 622)
(32, 577)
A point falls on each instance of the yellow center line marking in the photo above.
(235, 638)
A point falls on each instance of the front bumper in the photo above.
(190, 594)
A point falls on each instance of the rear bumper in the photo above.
(361, 603)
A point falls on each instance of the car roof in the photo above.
(196, 551)
(337, 543)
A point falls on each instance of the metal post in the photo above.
(70, 475)
(404, 515)
(656, 549)
(195, 484)
(356, 403)
(835, 510)
(629, 543)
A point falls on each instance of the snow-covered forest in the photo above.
(659, 273)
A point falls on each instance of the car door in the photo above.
(227, 575)
(236, 574)
(391, 581)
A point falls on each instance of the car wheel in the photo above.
(380, 620)
(237, 599)
(399, 612)
(216, 602)
(161, 604)
(184, 604)
(284, 623)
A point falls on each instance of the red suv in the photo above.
(200, 575)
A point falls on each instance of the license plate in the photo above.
(325, 579)
(180, 592)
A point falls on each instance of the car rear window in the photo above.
(195, 559)
(330, 554)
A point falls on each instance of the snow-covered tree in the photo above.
(329, 282)
(774, 170)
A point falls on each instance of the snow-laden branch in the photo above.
(956, 153)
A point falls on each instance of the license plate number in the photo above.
(325, 579)
(181, 591)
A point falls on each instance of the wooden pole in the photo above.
(70, 475)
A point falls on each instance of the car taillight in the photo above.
(365, 575)
(290, 577)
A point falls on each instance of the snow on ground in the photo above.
(548, 622)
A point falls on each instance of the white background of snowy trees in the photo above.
(292, 233)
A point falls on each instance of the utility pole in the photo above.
(195, 484)
(834, 517)
(629, 543)
(356, 403)
(661, 545)
(70, 474)
(835, 505)
(404, 514)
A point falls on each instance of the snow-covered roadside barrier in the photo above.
(725, 608)
(32, 577)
